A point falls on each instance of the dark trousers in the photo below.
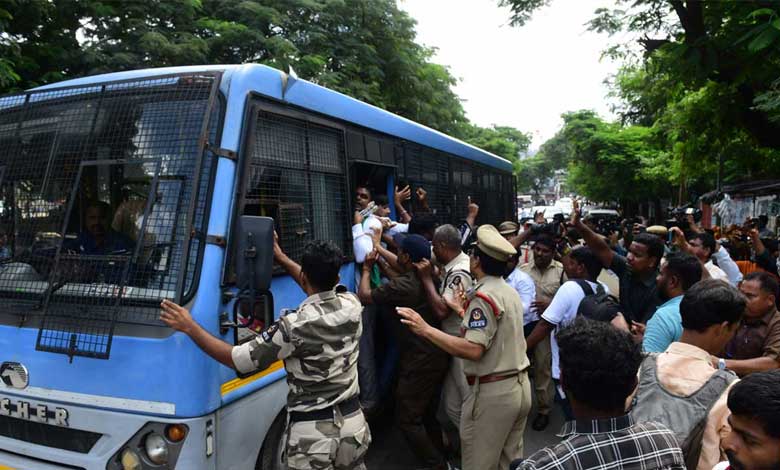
(367, 377)
(417, 398)
(564, 402)
(378, 356)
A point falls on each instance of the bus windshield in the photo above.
(99, 191)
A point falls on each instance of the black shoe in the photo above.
(540, 422)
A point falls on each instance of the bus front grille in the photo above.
(74, 440)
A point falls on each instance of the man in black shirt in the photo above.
(637, 272)
(422, 365)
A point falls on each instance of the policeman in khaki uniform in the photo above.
(495, 411)
(548, 275)
(319, 346)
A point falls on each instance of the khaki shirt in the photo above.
(502, 337)
(456, 273)
(319, 346)
(548, 281)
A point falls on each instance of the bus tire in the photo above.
(272, 455)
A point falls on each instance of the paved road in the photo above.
(389, 450)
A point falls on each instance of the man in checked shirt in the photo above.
(599, 366)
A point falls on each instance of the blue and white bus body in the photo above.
(166, 378)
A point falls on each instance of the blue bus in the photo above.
(119, 190)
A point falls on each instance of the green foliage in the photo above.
(364, 48)
(532, 174)
(607, 161)
(503, 141)
(705, 85)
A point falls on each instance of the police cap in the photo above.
(490, 242)
(658, 230)
(508, 228)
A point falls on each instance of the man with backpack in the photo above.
(636, 271)
(581, 295)
(680, 388)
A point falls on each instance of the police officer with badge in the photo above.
(496, 409)
(319, 346)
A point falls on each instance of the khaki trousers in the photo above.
(493, 422)
(541, 359)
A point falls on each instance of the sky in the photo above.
(524, 77)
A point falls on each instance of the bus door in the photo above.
(372, 161)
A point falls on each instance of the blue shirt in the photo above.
(665, 327)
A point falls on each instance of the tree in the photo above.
(503, 141)
(706, 82)
(364, 48)
(532, 174)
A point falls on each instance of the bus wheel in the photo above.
(272, 455)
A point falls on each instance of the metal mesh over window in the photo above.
(450, 181)
(296, 174)
(99, 203)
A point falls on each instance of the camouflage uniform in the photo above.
(319, 346)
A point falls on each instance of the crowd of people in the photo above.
(661, 350)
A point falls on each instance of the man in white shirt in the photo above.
(580, 263)
(363, 226)
(703, 246)
(524, 285)
(362, 245)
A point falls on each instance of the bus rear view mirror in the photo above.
(254, 256)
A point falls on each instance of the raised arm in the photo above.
(401, 196)
(520, 238)
(364, 288)
(425, 272)
(678, 238)
(473, 212)
(594, 241)
(389, 256)
(291, 267)
(422, 200)
(727, 264)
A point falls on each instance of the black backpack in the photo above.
(597, 305)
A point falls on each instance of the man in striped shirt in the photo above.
(599, 366)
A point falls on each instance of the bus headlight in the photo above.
(156, 448)
(154, 445)
(130, 460)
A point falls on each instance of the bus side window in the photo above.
(296, 175)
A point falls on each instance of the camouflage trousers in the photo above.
(335, 444)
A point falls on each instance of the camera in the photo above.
(550, 228)
(679, 217)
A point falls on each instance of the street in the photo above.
(389, 451)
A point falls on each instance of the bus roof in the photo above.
(314, 97)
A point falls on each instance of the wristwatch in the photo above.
(721, 364)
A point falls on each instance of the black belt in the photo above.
(346, 407)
